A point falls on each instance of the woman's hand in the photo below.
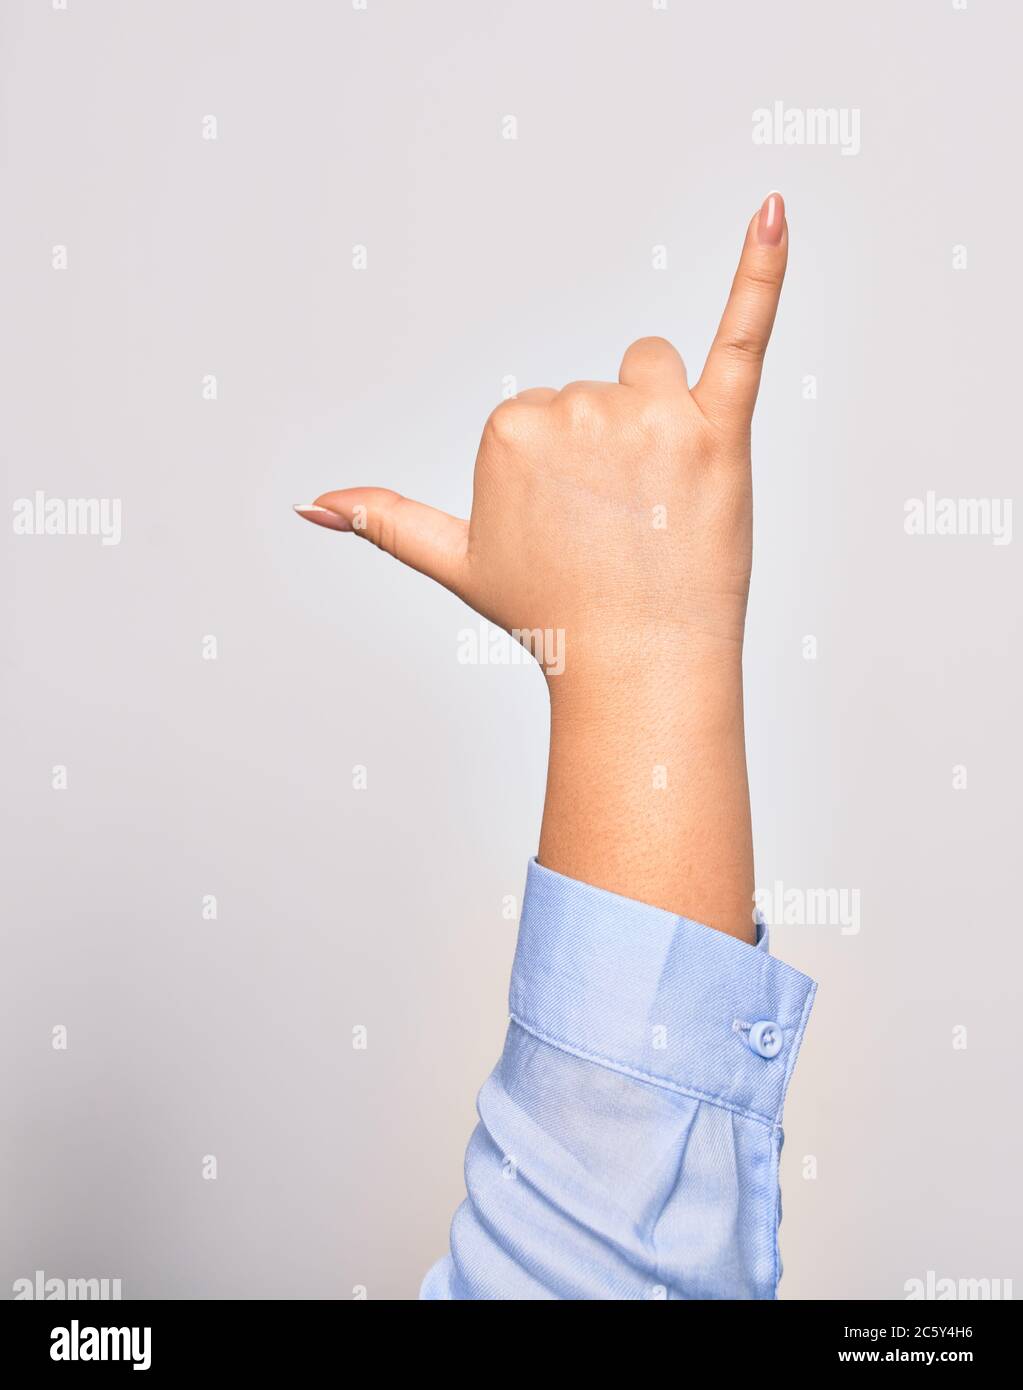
(612, 524)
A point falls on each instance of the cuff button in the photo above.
(765, 1038)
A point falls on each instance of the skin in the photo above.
(620, 514)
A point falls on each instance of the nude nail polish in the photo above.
(322, 516)
(771, 222)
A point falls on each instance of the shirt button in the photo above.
(765, 1038)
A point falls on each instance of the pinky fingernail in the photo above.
(771, 222)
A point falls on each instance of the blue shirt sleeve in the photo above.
(629, 1136)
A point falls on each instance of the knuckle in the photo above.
(507, 421)
(580, 403)
(758, 280)
(378, 528)
(745, 346)
(386, 537)
(385, 532)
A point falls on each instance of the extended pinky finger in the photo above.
(727, 390)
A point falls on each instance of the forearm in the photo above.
(647, 793)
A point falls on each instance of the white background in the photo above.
(487, 258)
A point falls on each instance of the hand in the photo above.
(613, 522)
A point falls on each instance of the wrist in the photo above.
(646, 792)
(639, 681)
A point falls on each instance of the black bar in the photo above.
(187, 1340)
